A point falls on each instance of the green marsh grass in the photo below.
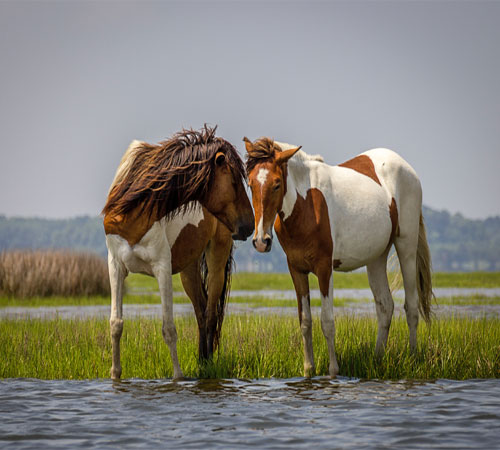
(353, 280)
(250, 301)
(251, 347)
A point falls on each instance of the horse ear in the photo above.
(284, 156)
(248, 144)
(220, 158)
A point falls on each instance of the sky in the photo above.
(80, 80)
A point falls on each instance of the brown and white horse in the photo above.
(341, 218)
(175, 207)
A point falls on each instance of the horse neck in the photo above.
(298, 182)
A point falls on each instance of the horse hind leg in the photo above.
(218, 260)
(117, 274)
(407, 254)
(384, 304)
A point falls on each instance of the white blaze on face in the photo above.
(259, 232)
(262, 177)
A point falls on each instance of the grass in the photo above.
(352, 280)
(251, 347)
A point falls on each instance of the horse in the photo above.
(339, 218)
(176, 207)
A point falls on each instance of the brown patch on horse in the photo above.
(192, 241)
(162, 179)
(364, 165)
(132, 227)
(393, 212)
(337, 263)
(308, 244)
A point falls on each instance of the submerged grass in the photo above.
(251, 347)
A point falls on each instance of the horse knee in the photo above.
(169, 333)
(306, 325)
(116, 326)
(328, 327)
(385, 310)
(411, 315)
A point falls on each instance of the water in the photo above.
(295, 413)
(154, 310)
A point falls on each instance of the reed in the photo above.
(26, 274)
(251, 347)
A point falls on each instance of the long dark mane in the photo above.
(165, 177)
(263, 149)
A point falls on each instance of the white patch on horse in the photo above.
(260, 228)
(262, 177)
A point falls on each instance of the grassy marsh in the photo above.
(352, 280)
(251, 347)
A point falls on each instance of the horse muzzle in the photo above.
(243, 232)
(263, 245)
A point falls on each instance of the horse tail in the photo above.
(424, 267)
(224, 295)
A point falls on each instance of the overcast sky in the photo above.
(80, 80)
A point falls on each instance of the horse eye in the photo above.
(276, 187)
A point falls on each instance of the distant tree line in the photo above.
(457, 243)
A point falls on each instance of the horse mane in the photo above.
(161, 180)
(265, 149)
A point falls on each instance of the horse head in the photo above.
(267, 170)
(227, 198)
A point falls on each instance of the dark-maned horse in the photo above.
(341, 218)
(175, 207)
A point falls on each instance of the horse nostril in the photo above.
(268, 242)
(253, 242)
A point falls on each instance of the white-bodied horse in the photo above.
(342, 218)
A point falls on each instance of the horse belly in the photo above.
(361, 234)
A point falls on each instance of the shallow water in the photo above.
(298, 413)
(154, 310)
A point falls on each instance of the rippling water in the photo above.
(298, 413)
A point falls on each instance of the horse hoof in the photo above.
(116, 374)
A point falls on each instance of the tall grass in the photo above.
(25, 274)
(251, 347)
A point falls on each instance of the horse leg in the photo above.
(117, 274)
(324, 274)
(377, 277)
(301, 284)
(407, 254)
(192, 283)
(217, 255)
(163, 273)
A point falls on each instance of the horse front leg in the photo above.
(219, 272)
(325, 275)
(192, 283)
(163, 273)
(117, 274)
(301, 284)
